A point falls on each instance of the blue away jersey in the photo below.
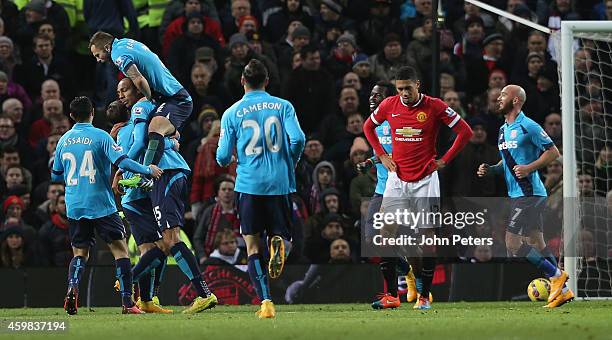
(269, 142)
(140, 115)
(126, 52)
(383, 132)
(83, 158)
(521, 143)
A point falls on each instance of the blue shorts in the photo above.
(110, 228)
(373, 208)
(142, 222)
(259, 213)
(176, 108)
(167, 199)
(526, 214)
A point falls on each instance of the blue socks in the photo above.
(259, 277)
(124, 275)
(158, 275)
(155, 149)
(148, 262)
(75, 271)
(537, 259)
(188, 264)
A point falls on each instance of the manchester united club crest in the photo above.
(421, 117)
(513, 134)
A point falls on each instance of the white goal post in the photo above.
(571, 208)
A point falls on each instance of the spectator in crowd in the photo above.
(476, 152)
(289, 11)
(379, 23)
(13, 109)
(15, 176)
(239, 8)
(13, 143)
(497, 79)
(310, 90)
(176, 28)
(552, 126)
(182, 50)
(197, 132)
(318, 245)
(226, 250)
(420, 48)
(53, 239)
(12, 208)
(206, 170)
(470, 46)
(323, 177)
(335, 127)
(53, 109)
(43, 65)
(8, 56)
(9, 89)
(553, 182)
(15, 251)
(386, 62)
(603, 171)
(313, 152)
(585, 185)
(330, 15)
(296, 39)
(330, 203)
(423, 10)
(41, 167)
(451, 98)
(203, 89)
(341, 59)
(239, 58)
(472, 10)
(216, 218)
(44, 211)
(340, 252)
(177, 8)
(481, 67)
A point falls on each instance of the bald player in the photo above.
(525, 147)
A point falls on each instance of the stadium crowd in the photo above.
(322, 55)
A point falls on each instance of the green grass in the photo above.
(494, 320)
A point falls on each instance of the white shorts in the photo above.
(421, 196)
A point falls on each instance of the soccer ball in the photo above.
(538, 289)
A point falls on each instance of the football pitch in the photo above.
(494, 320)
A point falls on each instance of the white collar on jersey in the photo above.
(415, 104)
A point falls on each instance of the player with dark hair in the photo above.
(414, 119)
(136, 205)
(525, 148)
(83, 160)
(388, 265)
(269, 142)
(164, 206)
(153, 79)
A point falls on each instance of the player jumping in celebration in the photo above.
(153, 79)
(83, 161)
(525, 147)
(166, 199)
(414, 119)
(388, 265)
(269, 141)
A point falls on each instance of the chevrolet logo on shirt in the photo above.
(407, 134)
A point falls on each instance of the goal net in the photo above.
(585, 63)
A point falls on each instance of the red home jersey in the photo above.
(414, 129)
